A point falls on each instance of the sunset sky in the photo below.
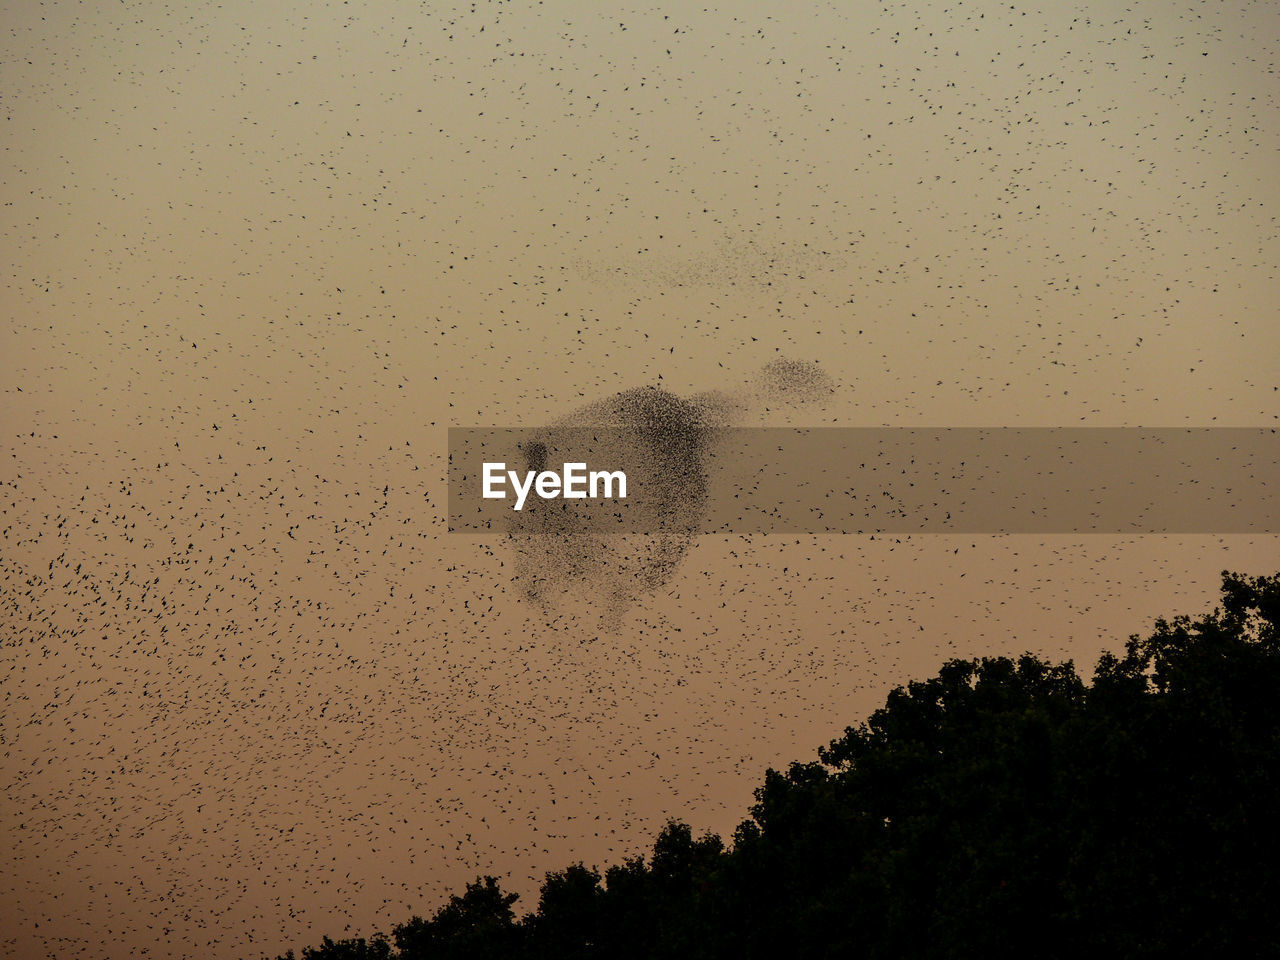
(262, 256)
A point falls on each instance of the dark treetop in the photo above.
(1002, 808)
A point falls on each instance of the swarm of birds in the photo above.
(251, 690)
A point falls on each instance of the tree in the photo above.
(478, 925)
(567, 925)
(354, 949)
(1003, 808)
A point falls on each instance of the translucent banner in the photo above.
(693, 480)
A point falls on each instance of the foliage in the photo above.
(1002, 808)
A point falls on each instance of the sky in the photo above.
(261, 257)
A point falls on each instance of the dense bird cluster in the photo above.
(665, 442)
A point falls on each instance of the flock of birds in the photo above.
(251, 690)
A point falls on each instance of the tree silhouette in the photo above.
(1002, 808)
(568, 924)
(355, 949)
(478, 925)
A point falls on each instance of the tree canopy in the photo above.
(1005, 807)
